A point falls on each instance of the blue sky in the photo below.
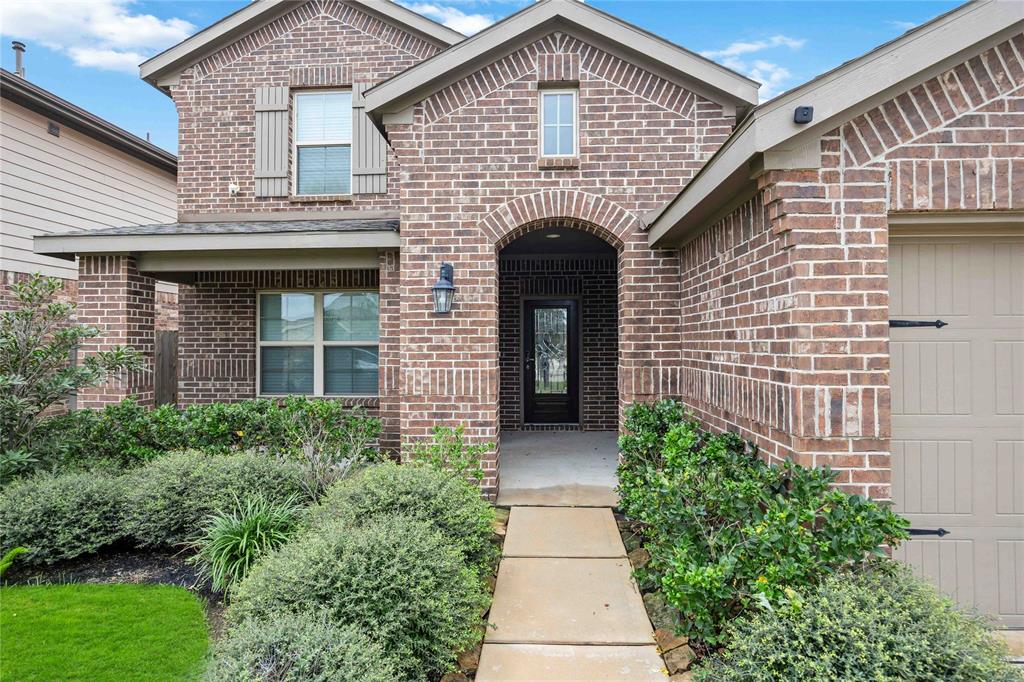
(86, 51)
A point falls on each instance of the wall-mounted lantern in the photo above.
(444, 289)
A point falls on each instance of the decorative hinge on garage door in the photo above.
(929, 531)
(938, 324)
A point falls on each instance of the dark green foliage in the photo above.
(878, 625)
(61, 517)
(728, 532)
(233, 540)
(397, 579)
(125, 435)
(298, 648)
(169, 499)
(446, 501)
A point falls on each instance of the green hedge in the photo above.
(298, 648)
(61, 517)
(879, 625)
(168, 500)
(126, 434)
(728, 532)
(395, 578)
(445, 500)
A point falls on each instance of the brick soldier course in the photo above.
(770, 319)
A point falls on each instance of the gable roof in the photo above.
(168, 64)
(20, 91)
(688, 69)
(769, 133)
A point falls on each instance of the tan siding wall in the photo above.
(54, 184)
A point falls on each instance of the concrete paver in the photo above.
(581, 532)
(567, 601)
(570, 663)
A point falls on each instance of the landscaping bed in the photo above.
(101, 632)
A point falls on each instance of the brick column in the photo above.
(389, 357)
(114, 297)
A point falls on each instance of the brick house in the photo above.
(622, 223)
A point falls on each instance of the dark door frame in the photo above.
(574, 373)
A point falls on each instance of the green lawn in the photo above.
(100, 632)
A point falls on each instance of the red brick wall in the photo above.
(593, 281)
(785, 301)
(215, 99)
(472, 179)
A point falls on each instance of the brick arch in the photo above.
(580, 210)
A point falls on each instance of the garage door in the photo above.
(958, 415)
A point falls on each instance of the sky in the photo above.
(88, 51)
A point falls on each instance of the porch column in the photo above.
(115, 298)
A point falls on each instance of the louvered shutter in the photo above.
(271, 142)
(369, 149)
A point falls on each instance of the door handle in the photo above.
(938, 324)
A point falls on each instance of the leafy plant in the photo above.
(37, 339)
(61, 517)
(170, 498)
(448, 450)
(9, 557)
(14, 463)
(451, 504)
(397, 579)
(304, 647)
(881, 624)
(728, 532)
(232, 541)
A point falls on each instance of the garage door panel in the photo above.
(958, 415)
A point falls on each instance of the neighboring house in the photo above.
(623, 223)
(64, 169)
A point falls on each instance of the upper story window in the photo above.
(319, 343)
(323, 143)
(558, 123)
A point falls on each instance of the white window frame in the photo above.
(575, 120)
(317, 143)
(317, 344)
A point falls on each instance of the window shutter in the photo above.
(271, 142)
(369, 149)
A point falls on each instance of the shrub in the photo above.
(447, 450)
(298, 648)
(232, 541)
(61, 517)
(395, 578)
(449, 503)
(880, 625)
(727, 531)
(169, 499)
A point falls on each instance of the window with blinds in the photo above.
(323, 143)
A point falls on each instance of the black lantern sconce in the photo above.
(444, 290)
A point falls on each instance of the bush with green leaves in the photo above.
(448, 450)
(397, 579)
(169, 499)
(61, 517)
(324, 436)
(233, 540)
(879, 625)
(443, 499)
(305, 647)
(728, 532)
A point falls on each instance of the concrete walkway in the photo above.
(566, 607)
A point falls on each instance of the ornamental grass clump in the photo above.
(728, 532)
(446, 501)
(396, 579)
(881, 624)
(304, 647)
(232, 541)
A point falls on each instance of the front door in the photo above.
(551, 362)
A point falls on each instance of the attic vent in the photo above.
(53, 129)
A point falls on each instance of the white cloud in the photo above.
(902, 25)
(773, 77)
(453, 17)
(104, 34)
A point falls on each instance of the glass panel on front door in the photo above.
(550, 348)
